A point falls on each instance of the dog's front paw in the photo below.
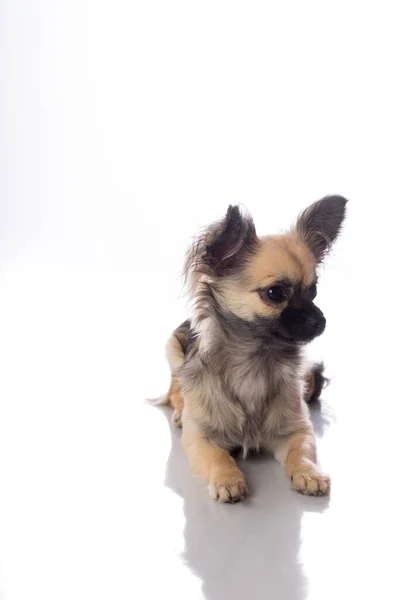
(311, 482)
(230, 487)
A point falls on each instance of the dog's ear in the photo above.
(320, 224)
(230, 241)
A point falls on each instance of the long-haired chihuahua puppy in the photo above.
(238, 373)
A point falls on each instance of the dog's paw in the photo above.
(311, 482)
(177, 418)
(230, 488)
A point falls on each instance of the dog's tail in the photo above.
(315, 381)
(170, 396)
(174, 351)
(161, 400)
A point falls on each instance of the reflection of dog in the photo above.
(259, 548)
(237, 370)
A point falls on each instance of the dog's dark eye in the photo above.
(276, 293)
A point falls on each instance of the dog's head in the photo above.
(269, 282)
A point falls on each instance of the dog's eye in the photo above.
(275, 293)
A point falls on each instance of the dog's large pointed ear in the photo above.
(320, 224)
(230, 241)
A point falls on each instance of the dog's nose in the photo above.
(318, 324)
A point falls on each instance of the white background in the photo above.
(126, 126)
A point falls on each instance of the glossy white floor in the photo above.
(127, 127)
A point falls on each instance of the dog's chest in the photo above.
(254, 380)
(252, 402)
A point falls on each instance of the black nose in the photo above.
(318, 324)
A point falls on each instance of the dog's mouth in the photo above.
(292, 341)
(289, 340)
(286, 339)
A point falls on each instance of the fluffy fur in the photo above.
(238, 374)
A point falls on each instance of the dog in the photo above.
(238, 373)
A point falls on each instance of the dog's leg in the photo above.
(176, 399)
(297, 454)
(226, 482)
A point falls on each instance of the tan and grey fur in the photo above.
(239, 378)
